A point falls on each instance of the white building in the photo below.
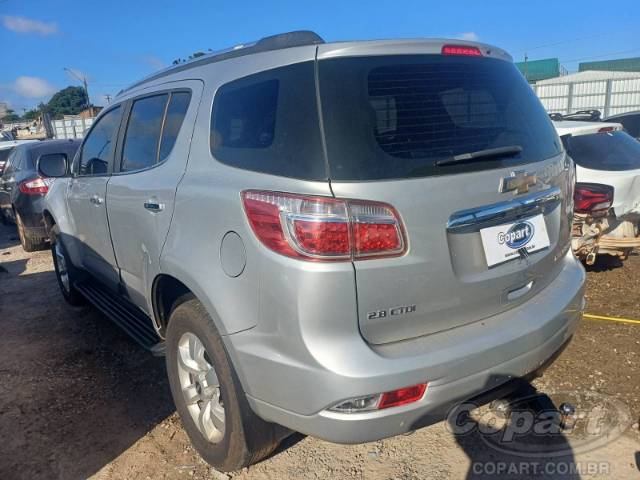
(609, 92)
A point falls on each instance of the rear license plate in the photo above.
(503, 242)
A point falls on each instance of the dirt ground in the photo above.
(78, 399)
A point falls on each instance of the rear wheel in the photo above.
(208, 394)
(66, 273)
(29, 241)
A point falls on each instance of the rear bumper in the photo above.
(457, 364)
(30, 208)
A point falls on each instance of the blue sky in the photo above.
(115, 42)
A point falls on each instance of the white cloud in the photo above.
(470, 36)
(27, 25)
(33, 87)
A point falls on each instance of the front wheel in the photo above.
(66, 273)
(208, 395)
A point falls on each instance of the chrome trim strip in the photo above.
(470, 220)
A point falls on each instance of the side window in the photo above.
(8, 166)
(177, 109)
(246, 117)
(268, 122)
(16, 163)
(142, 138)
(98, 148)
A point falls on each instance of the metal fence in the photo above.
(610, 96)
(71, 128)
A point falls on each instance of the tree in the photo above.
(11, 117)
(31, 115)
(68, 101)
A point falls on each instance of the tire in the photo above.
(29, 241)
(59, 252)
(244, 438)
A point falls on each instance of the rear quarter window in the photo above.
(612, 151)
(268, 122)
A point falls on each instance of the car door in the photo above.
(86, 197)
(155, 142)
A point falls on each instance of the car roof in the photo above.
(576, 127)
(52, 145)
(14, 143)
(316, 45)
(633, 113)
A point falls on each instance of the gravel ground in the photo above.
(78, 399)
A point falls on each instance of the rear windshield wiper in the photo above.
(499, 152)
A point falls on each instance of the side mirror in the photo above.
(53, 165)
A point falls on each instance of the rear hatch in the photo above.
(485, 232)
(610, 158)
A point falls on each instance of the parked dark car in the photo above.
(22, 189)
(630, 121)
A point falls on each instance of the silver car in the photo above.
(340, 239)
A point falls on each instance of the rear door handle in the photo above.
(96, 200)
(153, 206)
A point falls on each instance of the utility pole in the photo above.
(108, 97)
(83, 79)
(526, 69)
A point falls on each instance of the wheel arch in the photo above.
(49, 221)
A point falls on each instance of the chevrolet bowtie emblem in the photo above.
(518, 182)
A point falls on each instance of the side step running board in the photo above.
(125, 315)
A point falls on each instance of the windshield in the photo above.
(396, 116)
(606, 151)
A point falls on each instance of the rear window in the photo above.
(4, 154)
(268, 122)
(606, 151)
(392, 117)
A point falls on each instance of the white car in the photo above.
(607, 195)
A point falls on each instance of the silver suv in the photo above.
(340, 239)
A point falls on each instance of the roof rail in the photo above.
(297, 38)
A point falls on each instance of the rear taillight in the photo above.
(37, 186)
(607, 129)
(592, 198)
(380, 401)
(324, 228)
(463, 50)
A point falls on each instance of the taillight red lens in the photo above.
(402, 396)
(323, 228)
(376, 229)
(37, 186)
(592, 198)
(322, 238)
(463, 50)
(607, 129)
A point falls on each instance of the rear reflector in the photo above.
(402, 396)
(37, 186)
(323, 228)
(461, 50)
(380, 401)
(592, 198)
